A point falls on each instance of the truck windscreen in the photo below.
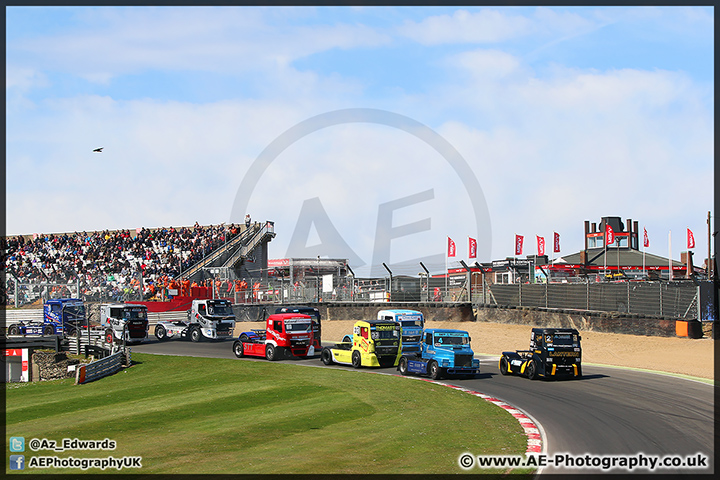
(563, 339)
(411, 323)
(451, 340)
(384, 334)
(75, 311)
(298, 326)
(220, 309)
(135, 314)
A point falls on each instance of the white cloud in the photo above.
(485, 26)
(225, 40)
(486, 65)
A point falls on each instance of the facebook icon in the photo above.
(17, 462)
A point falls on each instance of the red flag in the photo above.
(518, 244)
(646, 240)
(540, 245)
(472, 248)
(556, 242)
(451, 248)
(690, 239)
(609, 235)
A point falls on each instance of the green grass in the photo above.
(198, 415)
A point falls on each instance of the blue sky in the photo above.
(562, 114)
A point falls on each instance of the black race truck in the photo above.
(553, 353)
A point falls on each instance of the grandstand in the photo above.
(132, 264)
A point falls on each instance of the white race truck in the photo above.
(119, 318)
(213, 319)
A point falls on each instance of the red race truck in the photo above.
(285, 334)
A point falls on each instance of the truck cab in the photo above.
(124, 318)
(443, 352)
(411, 322)
(285, 334)
(316, 324)
(212, 319)
(67, 314)
(553, 353)
(215, 318)
(375, 343)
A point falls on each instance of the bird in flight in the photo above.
(98, 150)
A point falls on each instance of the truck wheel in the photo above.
(195, 334)
(326, 356)
(532, 370)
(239, 349)
(70, 332)
(356, 359)
(403, 366)
(434, 370)
(503, 366)
(13, 330)
(244, 338)
(109, 337)
(160, 333)
(270, 352)
(347, 339)
(48, 330)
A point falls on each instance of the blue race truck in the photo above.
(66, 313)
(411, 322)
(443, 352)
(60, 316)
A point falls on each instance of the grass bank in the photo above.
(201, 415)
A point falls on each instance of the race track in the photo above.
(610, 411)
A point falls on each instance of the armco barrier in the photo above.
(99, 369)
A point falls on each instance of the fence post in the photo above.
(628, 297)
(587, 294)
(77, 335)
(661, 300)
(520, 293)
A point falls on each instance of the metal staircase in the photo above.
(260, 235)
(240, 246)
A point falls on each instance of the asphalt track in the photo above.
(610, 411)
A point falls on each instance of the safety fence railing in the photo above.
(102, 368)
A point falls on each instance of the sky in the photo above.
(368, 133)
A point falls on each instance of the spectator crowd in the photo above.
(112, 263)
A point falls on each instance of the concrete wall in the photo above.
(609, 322)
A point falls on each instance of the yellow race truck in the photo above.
(375, 343)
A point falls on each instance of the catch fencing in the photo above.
(677, 299)
(667, 299)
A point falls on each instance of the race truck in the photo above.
(67, 313)
(412, 323)
(553, 353)
(60, 316)
(443, 352)
(212, 319)
(285, 334)
(375, 343)
(124, 322)
(315, 314)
